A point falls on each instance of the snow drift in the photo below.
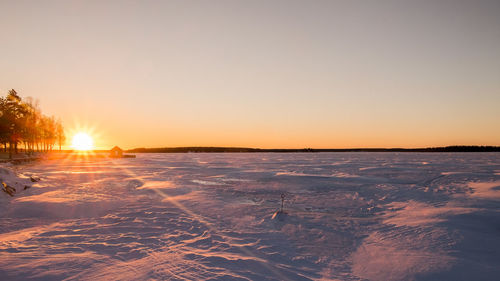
(350, 216)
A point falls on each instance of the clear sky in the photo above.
(267, 74)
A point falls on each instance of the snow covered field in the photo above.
(351, 216)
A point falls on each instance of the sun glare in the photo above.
(82, 141)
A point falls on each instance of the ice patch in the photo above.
(203, 182)
(234, 180)
(157, 184)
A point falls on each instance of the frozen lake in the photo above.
(351, 216)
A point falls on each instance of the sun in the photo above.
(82, 141)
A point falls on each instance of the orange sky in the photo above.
(287, 74)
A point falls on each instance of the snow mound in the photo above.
(12, 184)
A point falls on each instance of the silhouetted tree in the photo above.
(21, 122)
(61, 137)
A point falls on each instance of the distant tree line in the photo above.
(457, 148)
(193, 149)
(22, 123)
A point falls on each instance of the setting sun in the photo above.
(82, 141)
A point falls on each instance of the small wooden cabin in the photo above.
(116, 152)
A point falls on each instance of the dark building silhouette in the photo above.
(116, 152)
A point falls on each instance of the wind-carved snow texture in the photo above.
(350, 216)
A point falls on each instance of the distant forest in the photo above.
(22, 123)
(457, 148)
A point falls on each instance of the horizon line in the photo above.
(305, 149)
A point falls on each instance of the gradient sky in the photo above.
(267, 74)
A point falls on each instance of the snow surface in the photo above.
(350, 216)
